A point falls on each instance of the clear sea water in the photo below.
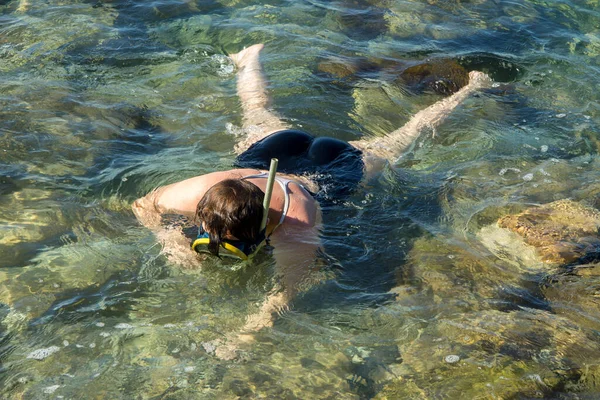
(102, 101)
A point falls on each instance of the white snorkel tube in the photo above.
(268, 193)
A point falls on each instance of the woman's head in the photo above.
(232, 207)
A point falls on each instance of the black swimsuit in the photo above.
(335, 165)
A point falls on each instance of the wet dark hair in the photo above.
(233, 206)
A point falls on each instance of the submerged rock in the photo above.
(360, 22)
(41, 354)
(443, 76)
(455, 278)
(184, 32)
(285, 375)
(7, 185)
(345, 67)
(563, 232)
(520, 354)
(438, 76)
(576, 294)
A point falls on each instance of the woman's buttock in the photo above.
(333, 165)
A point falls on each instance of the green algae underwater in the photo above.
(420, 291)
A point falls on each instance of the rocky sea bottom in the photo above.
(505, 308)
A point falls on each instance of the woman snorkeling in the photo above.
(227, 205)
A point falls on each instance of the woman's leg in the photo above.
(259, 120)
(391, 146)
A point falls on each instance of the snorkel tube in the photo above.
(268, 193)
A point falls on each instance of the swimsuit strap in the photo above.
(286, 203)
(284, 183)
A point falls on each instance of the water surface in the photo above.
(102, 101)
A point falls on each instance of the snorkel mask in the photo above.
(239, 249)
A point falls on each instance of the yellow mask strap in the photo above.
(227, 246)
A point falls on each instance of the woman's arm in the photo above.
(180, 197)
(146, 212)
(177, 198)
(295, 251)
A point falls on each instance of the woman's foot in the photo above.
(479, 79)
(247, 55)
